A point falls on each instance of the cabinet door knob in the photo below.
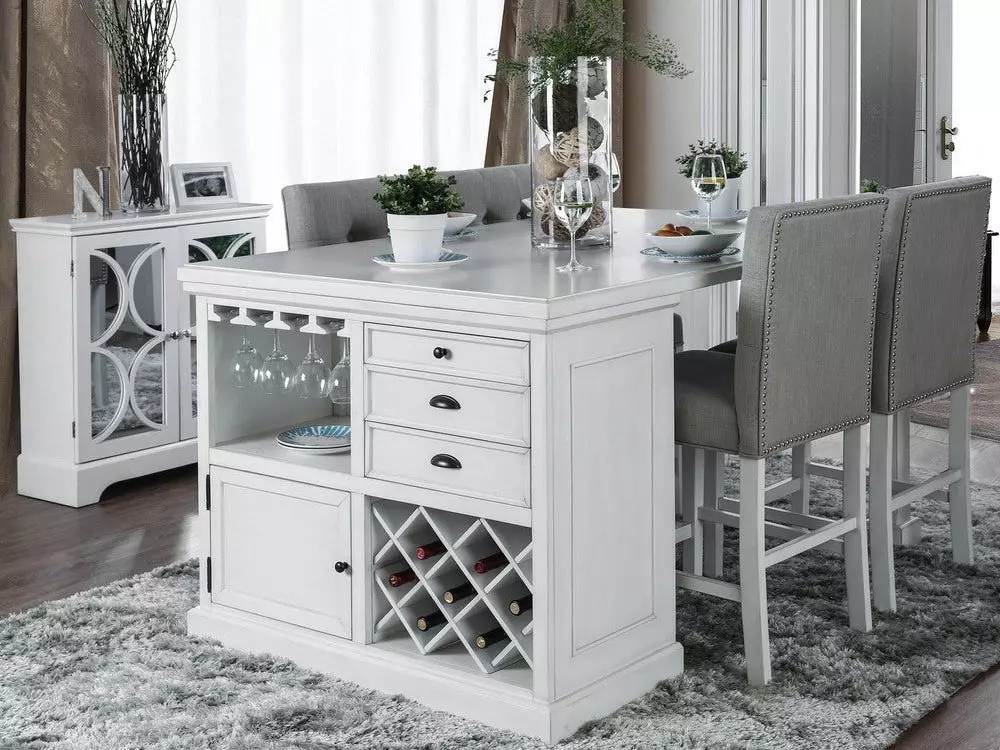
(440, 352)
(444, 402)
(444, 461)
(341, 566)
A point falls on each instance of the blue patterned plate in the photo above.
(445, 260)
(465, 234)
(655, 252)
(317, 438)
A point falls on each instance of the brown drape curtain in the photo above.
(508, 134)
(54, 115)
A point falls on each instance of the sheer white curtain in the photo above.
(313, 90)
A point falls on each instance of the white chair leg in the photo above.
(881, 523)
(859, 604)
(959, 457)
(801, 456)
(904, 535)
(753, 582)
(692, 498)
(713, 531)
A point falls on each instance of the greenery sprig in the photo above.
(871, 186)
(593, 32)
(418, 192)
(735, 161)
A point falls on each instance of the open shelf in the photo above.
(398, 528)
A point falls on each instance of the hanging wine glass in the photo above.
(340, 378)
(312, 379)
(246, 364)
(277, 371)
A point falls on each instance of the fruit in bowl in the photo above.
(457, 221)
(682, 240)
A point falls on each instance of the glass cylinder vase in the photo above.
(142, 142)
(569, 134)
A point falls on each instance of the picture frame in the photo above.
(197, 184)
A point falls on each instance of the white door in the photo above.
(198, 243)
(939, 141)
(126, 359)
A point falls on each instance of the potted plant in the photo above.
(416, 205)
(736, 164)
(568, 85)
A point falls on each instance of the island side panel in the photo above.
(610, 538)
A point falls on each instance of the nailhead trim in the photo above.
(894, 405)
(762, 447)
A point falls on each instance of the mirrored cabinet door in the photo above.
(200, 243)
(127, 363)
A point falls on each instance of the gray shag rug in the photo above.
(113, 668)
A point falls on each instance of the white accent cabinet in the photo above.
(107, 343)
(502, 413)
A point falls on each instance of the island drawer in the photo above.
(470, 408)
(489, 471)
(479, 357)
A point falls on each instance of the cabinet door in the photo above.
(275, 548)
(198, 243)
(125, 309)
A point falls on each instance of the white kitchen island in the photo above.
(499, 408)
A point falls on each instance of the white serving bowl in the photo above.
(695, 244)
(457, 222)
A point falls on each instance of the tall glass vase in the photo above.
(142, 141)
(569, 131)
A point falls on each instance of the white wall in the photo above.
(662, 115)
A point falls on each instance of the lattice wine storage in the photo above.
(480, 614)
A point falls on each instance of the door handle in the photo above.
(947, 146)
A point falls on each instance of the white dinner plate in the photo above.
(445, 260)
(655, 252)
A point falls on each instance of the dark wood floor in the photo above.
(48, 552)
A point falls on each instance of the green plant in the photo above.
(736, 161)
(871, 186)
(594, 31)
(418, 192)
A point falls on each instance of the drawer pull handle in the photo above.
(341, 567)
(444, 402)
(444, 461)
(441, 353)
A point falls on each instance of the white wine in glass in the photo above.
(572, 203)
(708, 179)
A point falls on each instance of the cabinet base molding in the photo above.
(77, 485)
(473, 696)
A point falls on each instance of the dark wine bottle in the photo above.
(429, 550)
(458, 593)
(520, 606)
(489, 563)
(429, 620)
(401, 576)
(497, 635)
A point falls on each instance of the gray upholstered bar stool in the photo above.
(802, 370)
(924, 347)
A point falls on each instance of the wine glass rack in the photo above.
(399, 529)
(275, 319)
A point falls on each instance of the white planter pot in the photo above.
(725, 204)
(416, 239)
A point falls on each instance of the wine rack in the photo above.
(399, 529)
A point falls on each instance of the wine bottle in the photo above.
(520, 606)
(429, 620)
(497, 635)
(429, 550)
(401, 576)
(457, 593)
(489, 563)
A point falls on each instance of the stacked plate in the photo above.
(317, 439)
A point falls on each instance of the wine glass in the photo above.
(708, 179)
(572, 203)
(312, 379)
(277, 372)
(246, 364)
(340, 378)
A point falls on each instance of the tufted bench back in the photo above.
(328, 213)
